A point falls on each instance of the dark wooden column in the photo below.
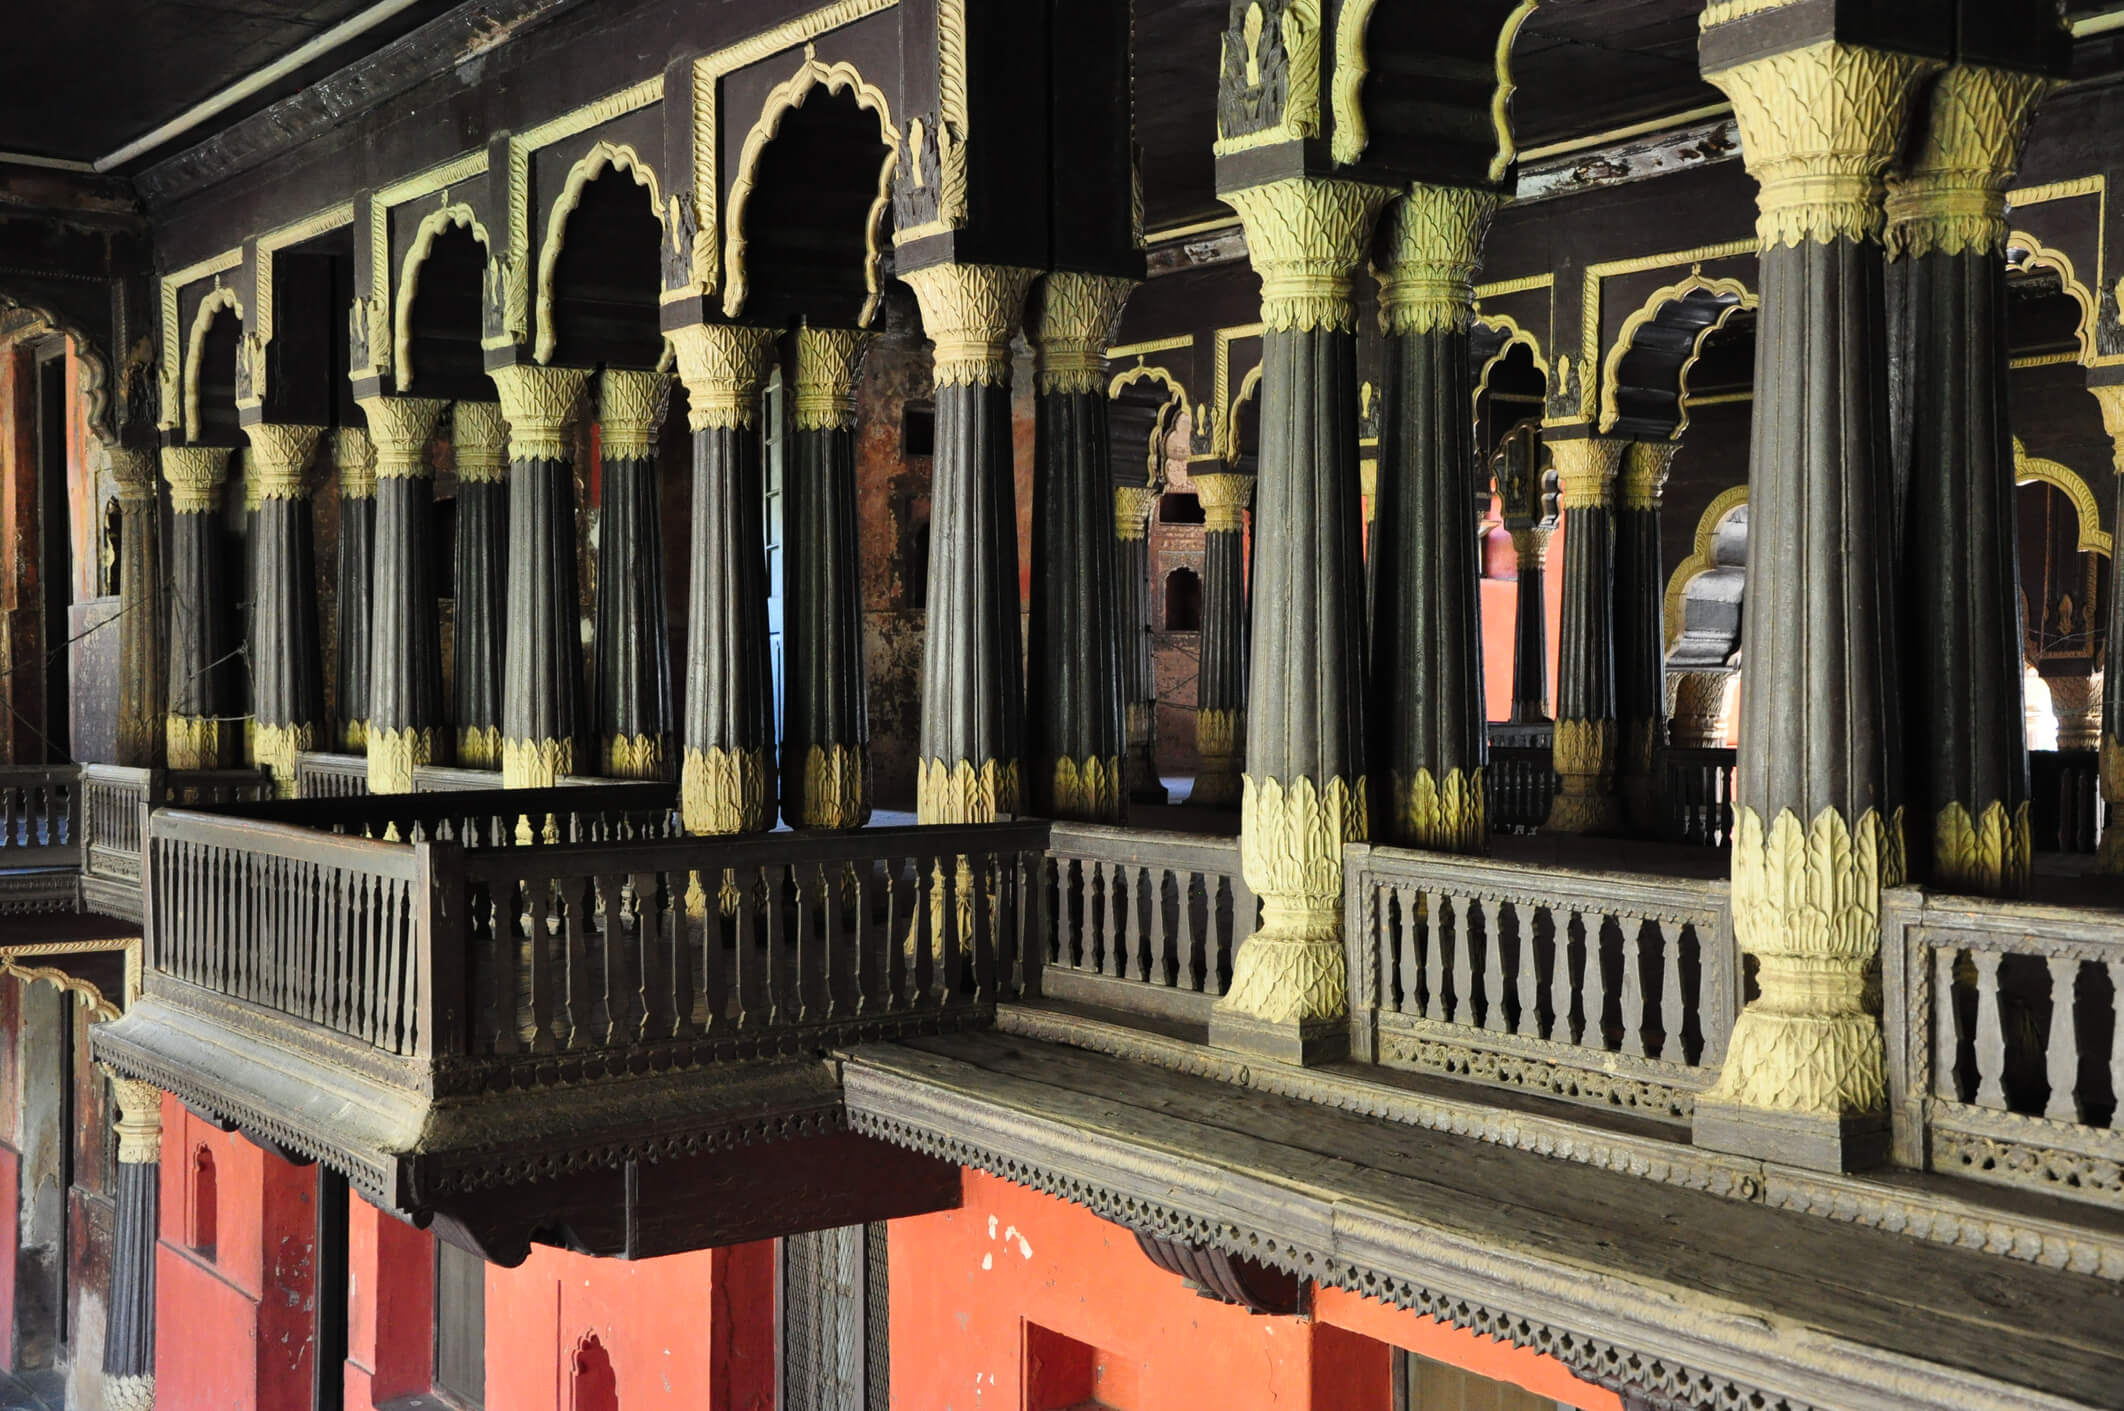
(287, 660)
(1640, 629)
(1303, 794)
(479, 442)
(1585, 745)
(355, 456)
(726, 779)
(1073, 722)
(631, 697)
(143, 630)
(202, 624)
(405, 639)
(1530, 624)
(129, 1325)
(1220, 682)
(1133, 504)
(826, 717)
(1818, 829)
(969, 761)
(2110, 861)
(1430, 738)
(1968, 747)
(542, 654)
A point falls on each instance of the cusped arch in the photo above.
(2024, 252)
(1727, 296)
(454, 217)
(1249, 386)
(2026, 468)
(593, 164)
(1352, 133)
(1514, 337)
(1703, 555)
(219, 298)
(783, 99)
(95, 377)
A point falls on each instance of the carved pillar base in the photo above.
(1220, 739)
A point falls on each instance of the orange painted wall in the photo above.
(1441, 1342)
(672, 1326)
(390, 1308)
(1500, 609)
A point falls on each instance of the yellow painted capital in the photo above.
(133, 473)
(1951, 197)
(1306, 238)
(1644, 474)
(479, 439)
(2111, 401)
(1530, 545)
(400, 427)
(279, 456)
(1132, 508)
(828, 362)
(138, 1121)
(1433, 243)
(630, 412)
(1819, 128)
(355, 456)
(970, 313)
(540, 404)
(195, 474)
(723, 366)
(1587, 469)
(1224, 498)
(1075, 327)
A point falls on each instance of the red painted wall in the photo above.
(1500, 621)
(672, 1328)
(390, 1308)
(234, 1332)
(1441, 1342)
(10, 1232)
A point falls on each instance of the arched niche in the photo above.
(1706, 591)
(1646, 379)
(1180, 601)
(213, 352)
(1145, 404)
(2067, 566)
(1511, 380)
(601, 269)
(2050, 313)
(1243, 424)
(310, 287)
(437, 318)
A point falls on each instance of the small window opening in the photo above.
(918, 429)
(1180, 508)
(595, 1384)
(1183, 601)
(205, 1203)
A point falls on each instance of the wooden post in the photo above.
(355, 456)
(143, 641)
(479, 441)
(1640, 631)
(201, 625)
(1585, 741)
(405, 643)
(129, 1327)
(287, 663)
(1220, 684)
(630, 699)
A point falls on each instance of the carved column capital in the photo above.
(630, 412)
(139, 1120)
(1644, 474)
(479, 439)
(970, 313)
(1132, 509)
(1588, 468)
(1433, 243)
(540, 404)
(133, 473)
(195, 475)
(1819, 127)
(1306, 239)
(723, 366)
(399, 427)
(2076, 701)
(1530, 545)
(1225, 497)
(279, 456)
(355, 455)
(1951, 197)
(1075, 327)
(828, 362)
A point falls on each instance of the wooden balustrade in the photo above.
(115, 803)
(2005, 1050)
(600, 812)
(1519, 784)
(1145, 922)
(40, 843)
(1607, 988)
(2064, 800)
(319, 775)
(1696, 795)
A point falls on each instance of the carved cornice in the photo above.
(1306, 238)
(969, 313)
(195, 475)
(723, 366)
(1644, 475)
(280, 454)
(1819, 128)
(1225, 497)
(540, 404)
(1951, 197)
(479, 440)
(1433, 243)
(355, 456)
(399, 428)
(828, 362)
(1078, 316)
(630, 412)
(1587, 469)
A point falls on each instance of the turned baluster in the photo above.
(1946, 1031)
(1523, 923)
(1673, 1017)
(2063, 1058)
(1633, 985)
(1493, 987)
(1990, 1037)
(1463, 1008)
(1411, 962)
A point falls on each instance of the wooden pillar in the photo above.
(1968, 750)
(1640, 630)
(726, 779)
(129, 1327)
(143, 640)
(826, 719)
(2111, 726)
(542, 654)
(202, 625)
(1530, 624)
(969, 762)
(1303, 794)
(1818, 829)
(405, 640)
(355, 456)
(1220, 682)
(1073, 728)
(287, 662)
(1133, 504)
(479, 441)
(631, 696)
(1430, 737)
(1585, 741)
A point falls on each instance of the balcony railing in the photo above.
(115, 803)
(2065, 803)
(1696, 796)
(40, 843)
(321, 775)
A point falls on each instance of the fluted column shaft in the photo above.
(825, 712)
(1968, 757)
(355, 456)
(1585, 747)
(727, 775)
(287, 659)
(1430, 738)
(200, 734)
(1640, 629)
(970, 759)
(479, 442)
(631, 672)
(143, 633)
(1132, 608)
(1530, 626)
(1304, 791)
(129, 1327)
(2111, 723)
(405, 638)
(1818, 829)
(1220, 681)
(543, 715)
(1073, 725)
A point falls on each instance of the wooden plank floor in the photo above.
(1686, 1270)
